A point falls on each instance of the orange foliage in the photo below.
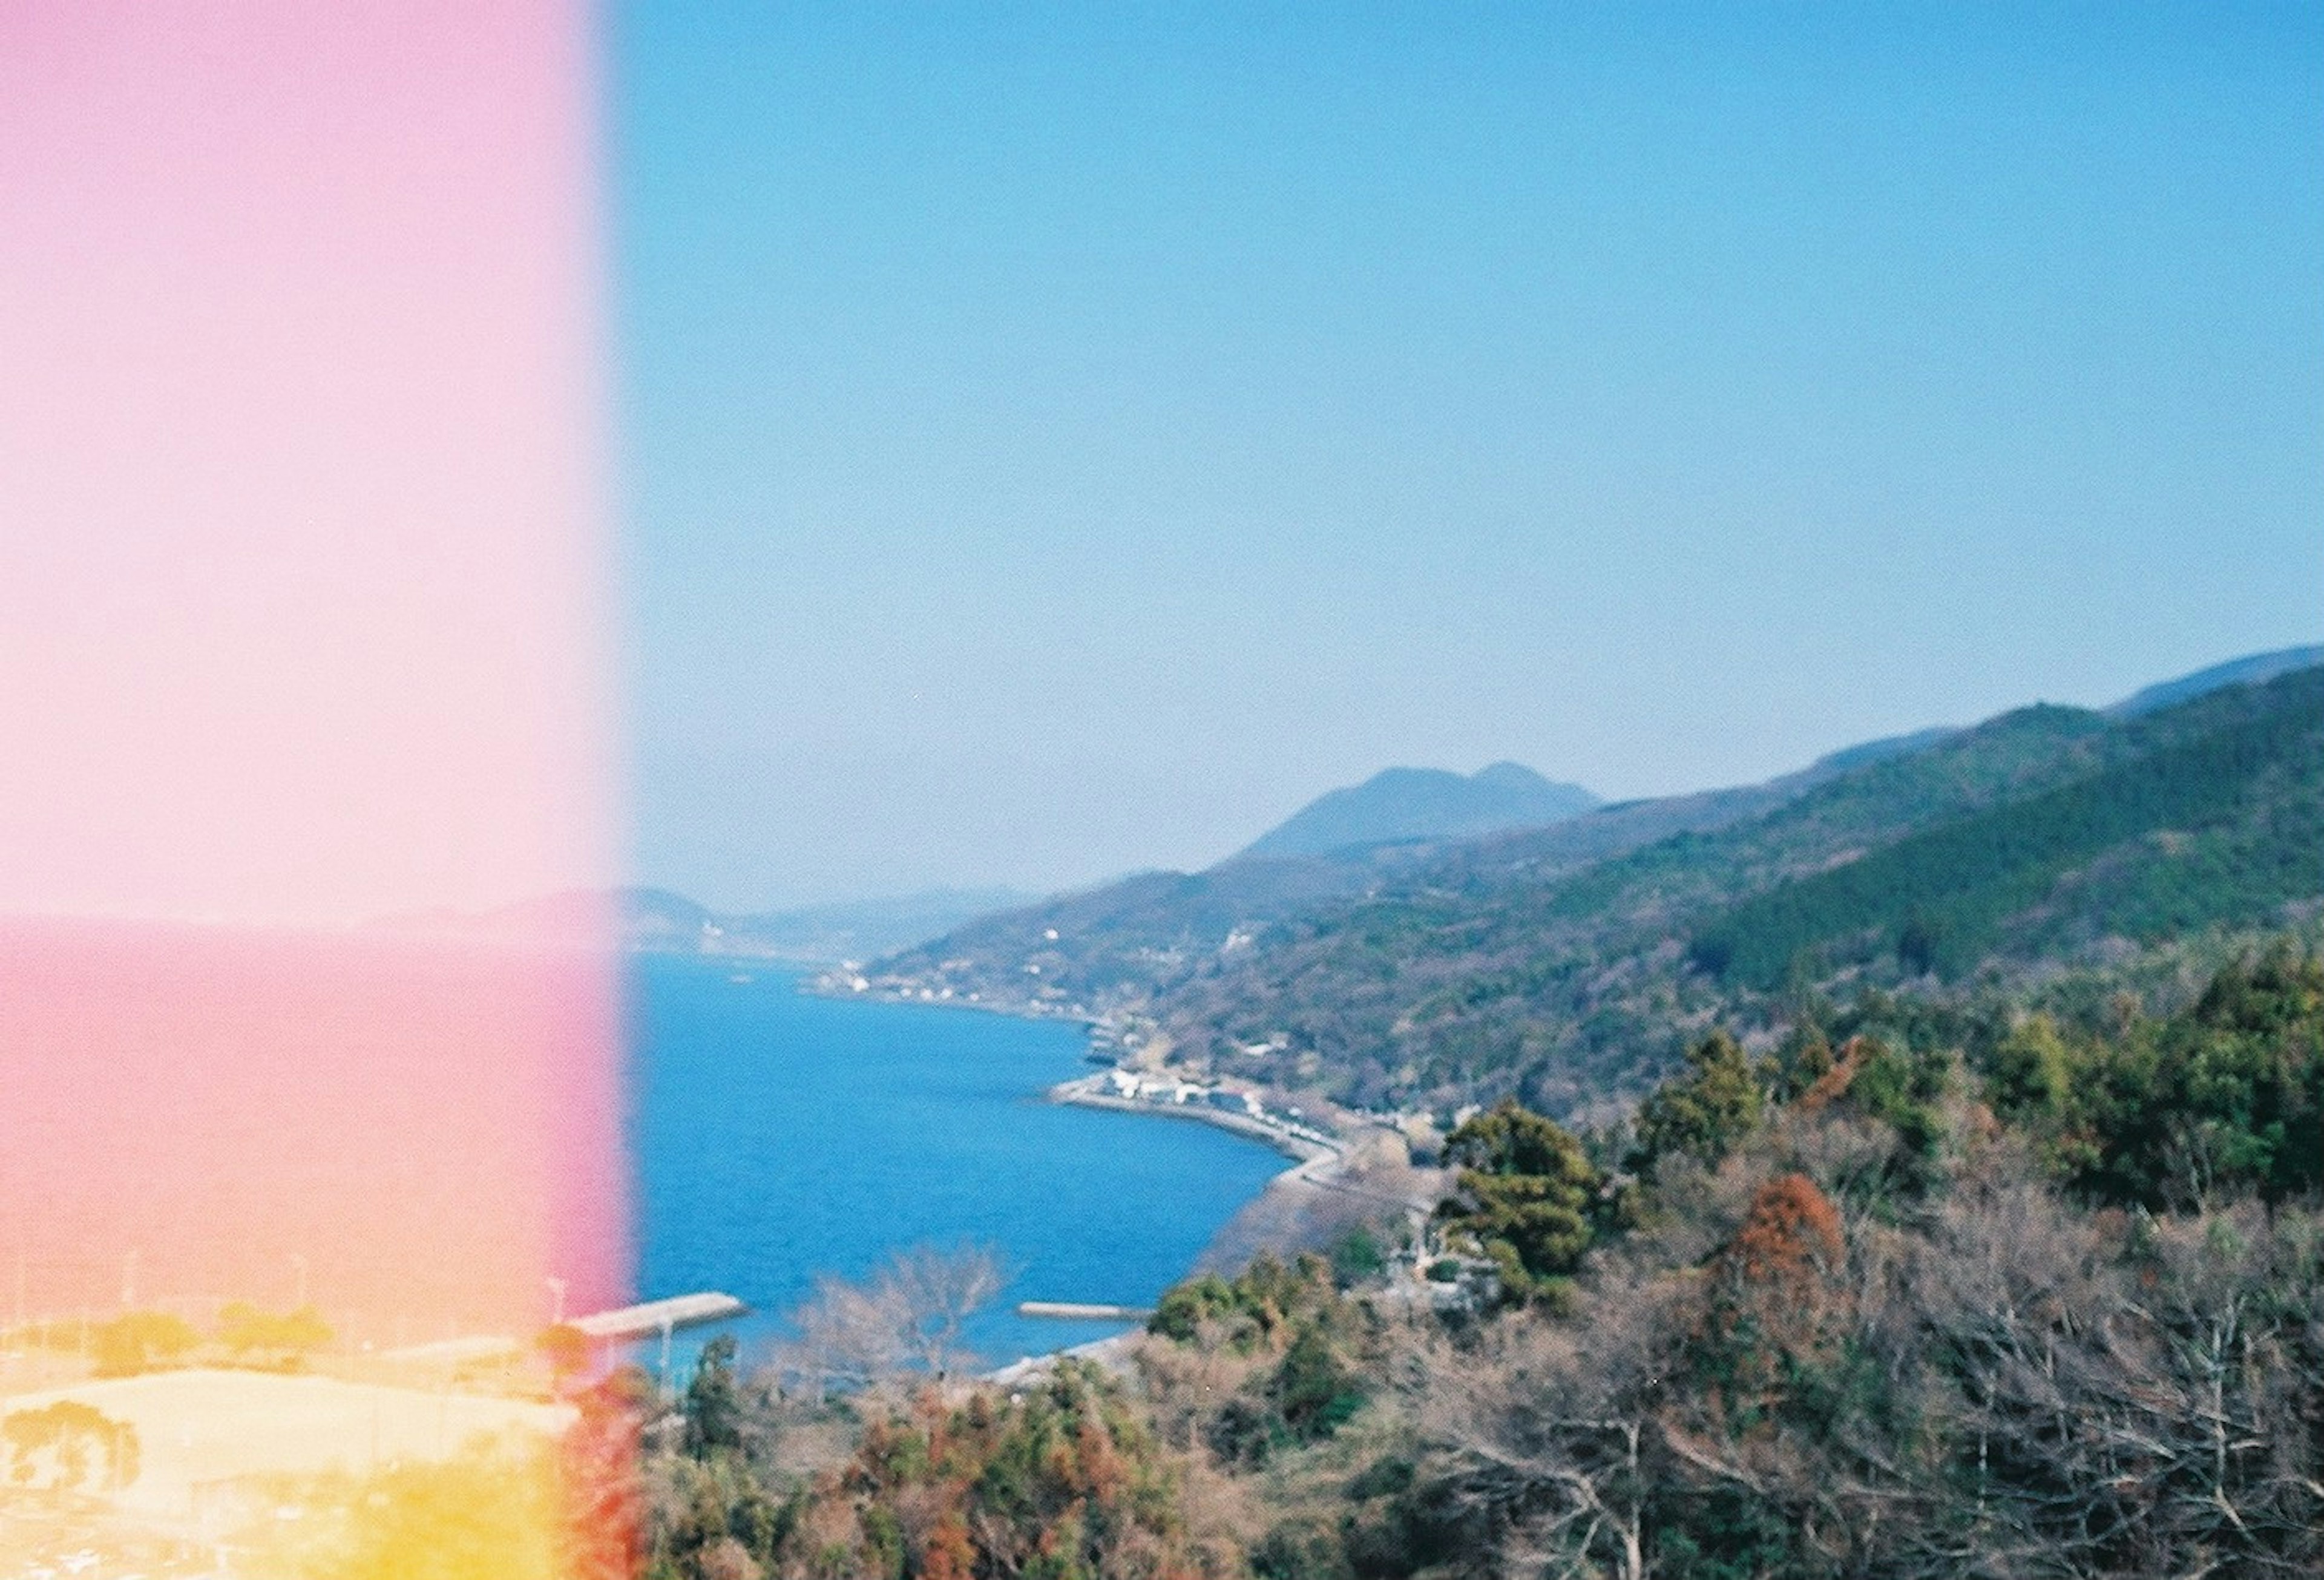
(1772, 1303)
(1833, 1083)
(604, 1506)
(1101, 1475)
(1791, 1234)
(949, 1554)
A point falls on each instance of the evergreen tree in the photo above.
(1526, 1193)
(1704, 1112)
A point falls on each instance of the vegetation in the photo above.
(142, 1341)
(284, 1340)
(63, 1445)
(1913, 1168)
(1572, 967)
(1060, 1481)
(1526, 1196)
(2014, 1288)
(2221, 1101)
(137, 1341)
(905, 1318)
(1974, 865)
(1704, 1113)
(1938, 898)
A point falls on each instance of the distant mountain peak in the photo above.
(1423, 804)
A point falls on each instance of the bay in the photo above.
(776, 1135)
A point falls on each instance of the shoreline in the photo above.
(1085, 1091)
(1332, 1187)
(1360, 1177)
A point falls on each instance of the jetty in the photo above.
(659, 1315)
(1239, 1111)
(1075, 1311)
(624, 1322)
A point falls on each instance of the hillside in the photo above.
(1566, 963)
(2046, 835)
(2246, 671)
(1423, 804)
(1102, 949)
(1924, 1291)
(1084, 953)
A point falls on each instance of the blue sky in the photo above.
(1062, 440)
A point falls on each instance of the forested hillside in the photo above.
(1924, 1291)
(1568, 964)
(2045, 837)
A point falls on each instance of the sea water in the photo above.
(778, 1135)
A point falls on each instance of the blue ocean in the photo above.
(776, 1135)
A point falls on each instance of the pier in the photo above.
(658, 1316)
(1072, 1311)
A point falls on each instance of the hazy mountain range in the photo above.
(1565, 961)
(1414, 804)
(660, 921)
(1427, 932)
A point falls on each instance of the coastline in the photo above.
(1332, 1187)
(1087, 1091)
(1360, 1175)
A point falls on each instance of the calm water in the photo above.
(777, 1136)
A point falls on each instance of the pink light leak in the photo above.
(301, 530)
(422, 1132)
(304, 619)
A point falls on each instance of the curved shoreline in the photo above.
(1360, 1175)
(1331, 1186)
(1087, 1091)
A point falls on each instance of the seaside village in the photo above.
(1170, 1091)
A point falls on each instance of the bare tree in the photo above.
(2127, 1398)
(933, 1292)
(907, 1316)
(1539, 1425)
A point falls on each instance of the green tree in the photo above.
(713, 1406)
(1526, 1191)
(1704, 1112)
(2033, 1069)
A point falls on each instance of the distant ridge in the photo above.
(2254, 670)
(1423, 804)
(1448, 970)
(660, 921)
(1873, 751)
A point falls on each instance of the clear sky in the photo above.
(1061, 440)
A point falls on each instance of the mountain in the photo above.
(2248, 671)
(1873, 751)
(2018, 848)
(1423, 804)
(1565, 963)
